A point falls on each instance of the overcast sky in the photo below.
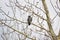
(56, 23)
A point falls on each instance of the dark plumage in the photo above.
(29, 20)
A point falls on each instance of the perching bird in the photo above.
(29, 20)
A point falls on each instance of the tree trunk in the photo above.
(48, 21)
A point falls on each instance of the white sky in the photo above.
(56, 23)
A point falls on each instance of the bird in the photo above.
(29, 20)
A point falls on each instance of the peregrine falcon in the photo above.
(29, 20)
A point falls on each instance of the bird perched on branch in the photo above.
(29, 20)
